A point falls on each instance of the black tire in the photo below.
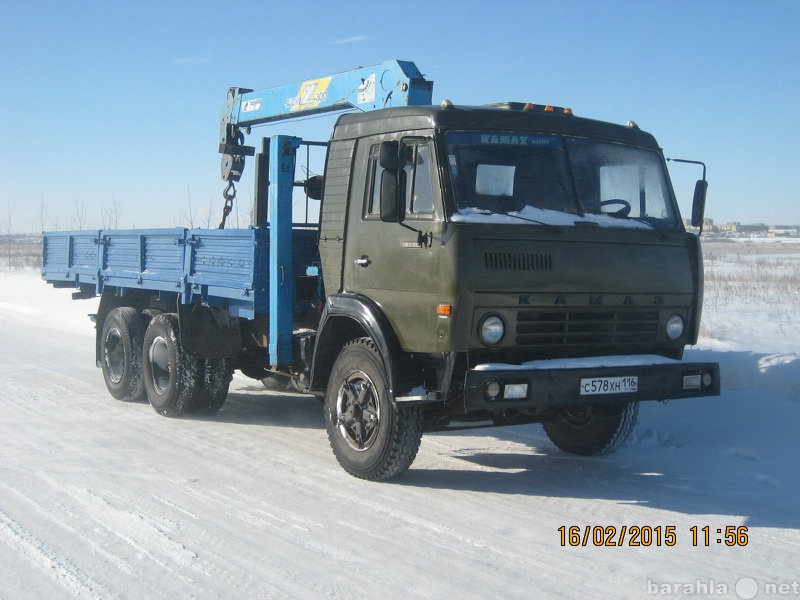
(592, 430)
(148, 314)
(371, 437)
(121, 353)
(213, 390)
(276, 383)
(171, 376)
(252, 363)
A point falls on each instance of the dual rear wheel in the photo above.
(141, 359)
(121, 353)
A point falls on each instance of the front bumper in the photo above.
(599, 380)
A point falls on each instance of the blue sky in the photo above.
(117, 103)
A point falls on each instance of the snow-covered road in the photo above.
(104, 499)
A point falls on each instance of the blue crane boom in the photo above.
(391, 83)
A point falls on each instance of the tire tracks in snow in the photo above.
(71, 578)
(63, 522)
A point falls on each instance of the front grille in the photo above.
(581, 327)
(518, 261)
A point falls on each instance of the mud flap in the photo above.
(209, 331)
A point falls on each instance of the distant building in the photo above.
(708, 225)
(790, 231)
(738, 229)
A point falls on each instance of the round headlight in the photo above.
(492, 330)
(675, 327)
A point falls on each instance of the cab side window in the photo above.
(419, 182)
(415, 180)
(372, 204)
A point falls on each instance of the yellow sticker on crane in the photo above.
(311, 94)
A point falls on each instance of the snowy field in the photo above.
(103, 499)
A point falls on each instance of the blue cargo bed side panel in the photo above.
(70, 258)
(150, 259)
(228, 267)
(223, 269)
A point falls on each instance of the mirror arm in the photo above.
(699, 200)
(691, 162)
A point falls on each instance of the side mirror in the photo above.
(699, 202)
(313, 187)
(390, 156)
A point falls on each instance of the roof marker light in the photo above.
(549, 108)
(568, 112)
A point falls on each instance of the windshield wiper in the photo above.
(547, 226)
(651, 227)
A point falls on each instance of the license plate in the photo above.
(609, 385)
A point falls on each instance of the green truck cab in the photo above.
(500, 265)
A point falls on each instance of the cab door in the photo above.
(396, 264)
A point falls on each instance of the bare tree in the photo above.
(78, 213)
(210, 209)
(189, 215)
(112, 215)
(7, 219)
(42, 214)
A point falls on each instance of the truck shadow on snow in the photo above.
(735, 455)
(252, 404)
(732, 455)
(619, 480)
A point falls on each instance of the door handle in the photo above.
(362, 261)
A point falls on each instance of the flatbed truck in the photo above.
(472, 266)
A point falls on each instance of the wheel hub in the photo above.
(158, 355)
(577, 416)
(114, 355)
(358, 411)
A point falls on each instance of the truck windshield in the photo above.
(557, 180)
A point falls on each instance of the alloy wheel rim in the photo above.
(358, 412)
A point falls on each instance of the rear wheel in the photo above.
(171, 376)
(121, 353)
(213, 390)
(370, 435)
(591, 430)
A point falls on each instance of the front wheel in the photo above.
(591, 430)
(370, 435)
